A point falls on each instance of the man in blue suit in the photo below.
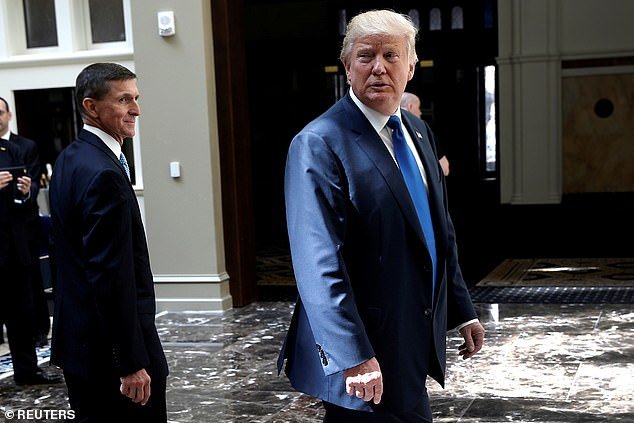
(104, 336)
(372, 243)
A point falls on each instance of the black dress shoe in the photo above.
(39, 378)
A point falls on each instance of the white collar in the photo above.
(107, 139)
(6, 136)
(377, 120)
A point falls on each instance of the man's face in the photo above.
(5, 117)
(378, 70)
(116, 112)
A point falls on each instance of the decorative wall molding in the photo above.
(66, 58)
(208, 292)
(209, 278)
(598, 70)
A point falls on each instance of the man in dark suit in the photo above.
(28, 150)
(104, 336)
(17, 193)
(372, 243)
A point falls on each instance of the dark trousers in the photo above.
(98, 400)
(41, 319)
(420, 414)
(17, 313)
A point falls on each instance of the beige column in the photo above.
(529, 66)
(535, 37)
(179, 124)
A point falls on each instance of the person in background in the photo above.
(17, 192)
(411, 103)
(104, 336)
(28, 150)
(372, 243)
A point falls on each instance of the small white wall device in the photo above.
(175, 169)
(166, 25)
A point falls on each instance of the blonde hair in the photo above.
(380, 22)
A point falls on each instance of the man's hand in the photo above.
(24, 184)
(5, 179)
(473, 335)
(365, 381)
(136, 386)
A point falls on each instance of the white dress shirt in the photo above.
(106, 138)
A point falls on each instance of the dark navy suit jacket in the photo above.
(28, 150)
(14, 216)
(361, 264)
(104, 298)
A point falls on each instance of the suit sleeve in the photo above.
(459, 306)
(108, 247)
(316, 211)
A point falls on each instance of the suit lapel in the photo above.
(425, 151)
(427, 157)
(96, 142)
(373, 146)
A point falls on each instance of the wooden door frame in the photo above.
(235, 148)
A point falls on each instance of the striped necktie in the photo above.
(124, 163)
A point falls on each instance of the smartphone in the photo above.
(17, 172)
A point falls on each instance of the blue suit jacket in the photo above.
(104, 298)
(361, 264)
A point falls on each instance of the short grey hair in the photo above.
(94, 81)
(380, 22)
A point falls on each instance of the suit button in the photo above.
(427, 312)
(324, 360)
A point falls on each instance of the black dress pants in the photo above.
(17, 312)
(98, 400)
(420, 414)
(41, 316)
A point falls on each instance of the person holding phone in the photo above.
(16, 303)
(28, 151)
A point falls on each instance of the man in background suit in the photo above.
(28, 150)
(17, 193)
(372, 243)
(104, 336)
(411, 103)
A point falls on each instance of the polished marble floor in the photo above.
(542, 363)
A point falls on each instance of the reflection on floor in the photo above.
(542, 363)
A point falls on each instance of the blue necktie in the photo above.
(124, 163)
(415, 186)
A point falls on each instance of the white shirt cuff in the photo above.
(466, 324)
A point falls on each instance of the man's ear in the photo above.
(90, 106)
(410, 73)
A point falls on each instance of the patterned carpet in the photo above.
(553, 295)
(562, 272)
(545, 281)
(273, 267)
